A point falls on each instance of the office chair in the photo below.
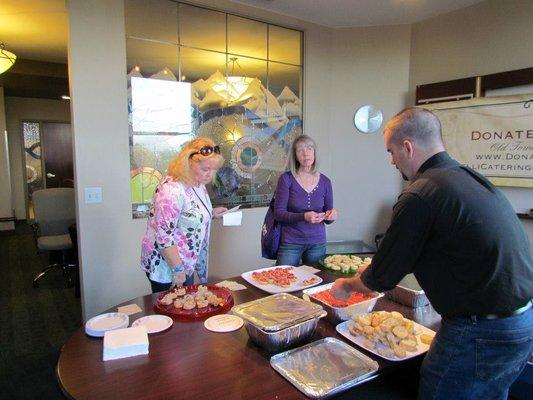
(54, 212)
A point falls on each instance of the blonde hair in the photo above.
(180, 168)
(294, 164)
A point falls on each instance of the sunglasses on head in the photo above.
(207, 150)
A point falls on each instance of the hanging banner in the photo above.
(493, 136)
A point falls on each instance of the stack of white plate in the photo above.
(99, 325)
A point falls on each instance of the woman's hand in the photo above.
(330, 215)
(218, 211)
(313, 217)
(178, 278)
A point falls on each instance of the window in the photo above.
(194, 71)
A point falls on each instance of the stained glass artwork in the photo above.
(249, 104)
(32, 156)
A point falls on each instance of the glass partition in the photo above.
(202, 28)
(194, 72)
(247, 37)
(284, 45)
(154, 19)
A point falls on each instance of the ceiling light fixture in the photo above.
(234, 86)
(7, 59)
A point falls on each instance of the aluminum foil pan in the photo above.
(409, 293)
(276, 312)
(287, 337)
(339, 314)
(324, 368)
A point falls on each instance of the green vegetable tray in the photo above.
(322, 265)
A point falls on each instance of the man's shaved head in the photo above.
(419, 125)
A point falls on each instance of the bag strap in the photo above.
(199, 198)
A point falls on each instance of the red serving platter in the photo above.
(196, 314)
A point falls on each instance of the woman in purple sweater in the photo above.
(304, 203)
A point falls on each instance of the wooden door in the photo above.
(56, 148)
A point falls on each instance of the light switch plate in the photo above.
(93, 195)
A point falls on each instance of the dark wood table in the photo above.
(189, 362)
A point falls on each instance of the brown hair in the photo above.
(179, 167)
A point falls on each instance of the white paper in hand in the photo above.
(231, 210)
(232, 219)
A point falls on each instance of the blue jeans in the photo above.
(291, 254)
(476, 359)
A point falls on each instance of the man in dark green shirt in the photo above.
(462, 240)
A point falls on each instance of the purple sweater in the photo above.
(292, 202)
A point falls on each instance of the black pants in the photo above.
(157, 286)
(162, 287)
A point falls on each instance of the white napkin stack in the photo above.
(127, 342)
(308, 268)
(130, 309)
(231, 285)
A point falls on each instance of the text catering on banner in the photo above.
(493, 136)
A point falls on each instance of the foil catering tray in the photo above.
(409, 293)
(286, 337)
(276, 312)
(324, 368)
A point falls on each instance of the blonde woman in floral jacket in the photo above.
(176, 241)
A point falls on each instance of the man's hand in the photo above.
(341, 289)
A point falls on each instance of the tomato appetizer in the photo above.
(328, 298)
(283, 277)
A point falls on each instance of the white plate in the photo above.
(99, 325)
(421, 348)
(154, 323)
(301, 275)
(223, 323)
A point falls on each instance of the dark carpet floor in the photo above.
(34, 322)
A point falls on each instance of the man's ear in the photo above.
(409, 148)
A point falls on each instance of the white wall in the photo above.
(369, 66)
(490, 37)
(110, 238)
(20, 109)
(6, 207)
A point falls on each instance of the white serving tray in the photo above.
(301, 275)
(421, 348)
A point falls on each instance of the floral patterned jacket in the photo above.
(177, 217)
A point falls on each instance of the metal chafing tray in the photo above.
(279, 321)
(324, 368)
(286, 337)
(408, 292)
(276, 312)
